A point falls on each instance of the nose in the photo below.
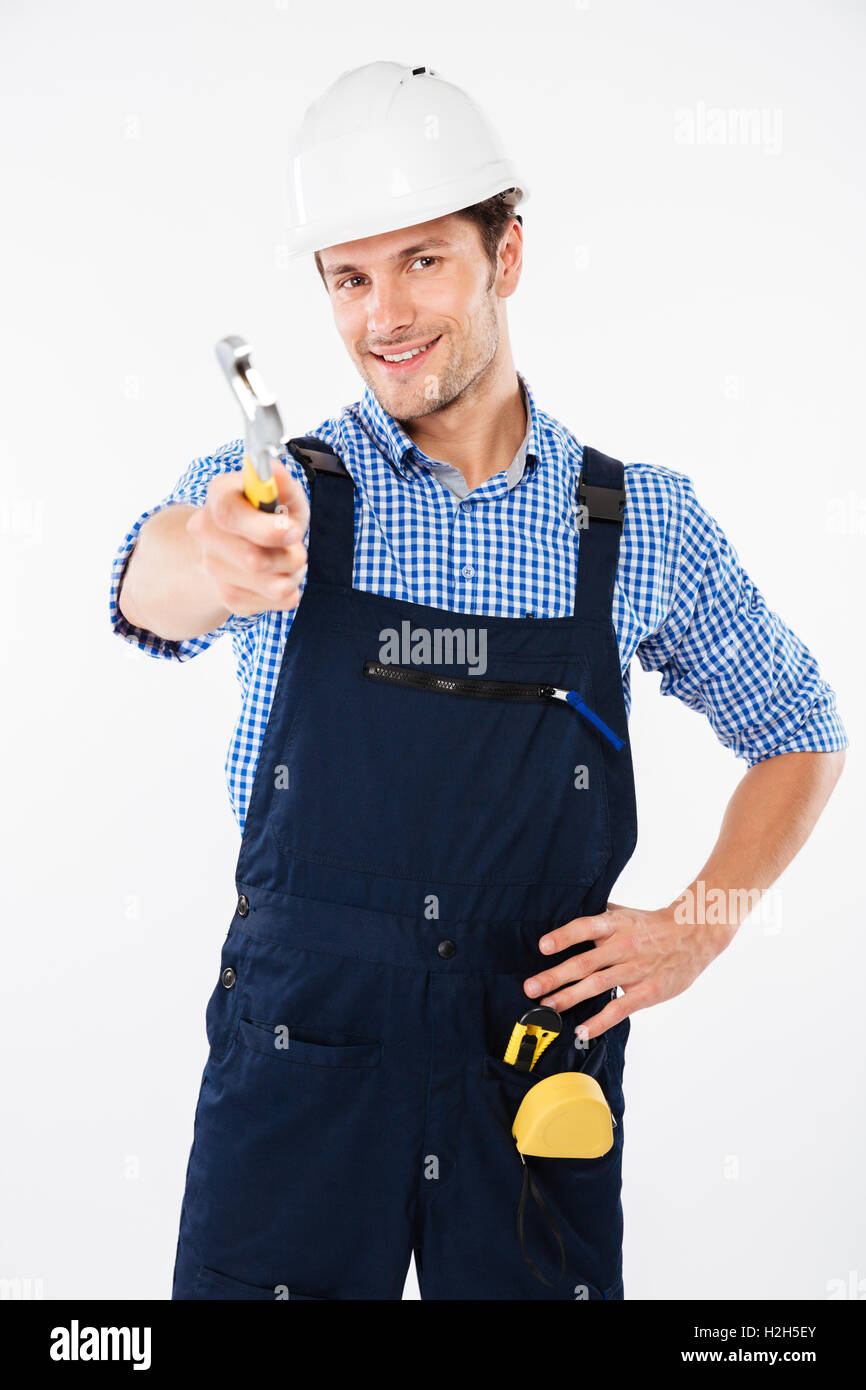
(389, 311)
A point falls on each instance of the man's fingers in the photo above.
(639, 997)
(612, 1014)
(569, 995)
(628, 974)
(273, 587)
(599, 983)
(249, 578)
(229, 510)
(243, 603)
(248, 562)
(256, 560)
(579, 929)
(571, 970)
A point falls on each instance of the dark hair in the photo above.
(491, 217)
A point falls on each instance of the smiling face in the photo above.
(428, 291)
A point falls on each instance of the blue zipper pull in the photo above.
(577, 702)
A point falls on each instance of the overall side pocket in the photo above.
(299, 1047)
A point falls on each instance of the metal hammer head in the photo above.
(263, 426)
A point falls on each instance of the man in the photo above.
(420, 867)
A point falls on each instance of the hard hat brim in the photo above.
(407, 211)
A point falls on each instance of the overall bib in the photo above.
(405, 848)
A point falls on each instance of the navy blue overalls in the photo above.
(405, 848)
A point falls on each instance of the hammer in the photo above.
(264, 429)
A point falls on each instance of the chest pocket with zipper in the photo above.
(442, 778)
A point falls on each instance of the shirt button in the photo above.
(466, 506)
(447, 949)
(243, 906)
(468, 571)
(228, 977)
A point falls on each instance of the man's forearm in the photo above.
(767, 821)
(164, 591)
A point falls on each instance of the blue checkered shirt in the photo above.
(682, 601)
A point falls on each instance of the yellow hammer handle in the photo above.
(262, 494)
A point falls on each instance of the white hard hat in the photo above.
(387, 146)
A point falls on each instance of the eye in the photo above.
(344, 284)
(431, 259)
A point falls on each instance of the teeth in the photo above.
(404, 356)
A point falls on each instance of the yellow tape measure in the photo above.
(531, 1036)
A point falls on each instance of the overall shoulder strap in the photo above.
(332, 511)
(601, 491)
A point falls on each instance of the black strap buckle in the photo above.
(316, 460)
(602, 503)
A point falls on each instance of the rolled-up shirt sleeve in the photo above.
(190, 488)
(723, 652)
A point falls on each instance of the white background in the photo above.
(695, 305)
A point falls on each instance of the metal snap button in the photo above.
(243, 906)
(447, 949)
(228, 977)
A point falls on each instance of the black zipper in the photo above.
(487, 690)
